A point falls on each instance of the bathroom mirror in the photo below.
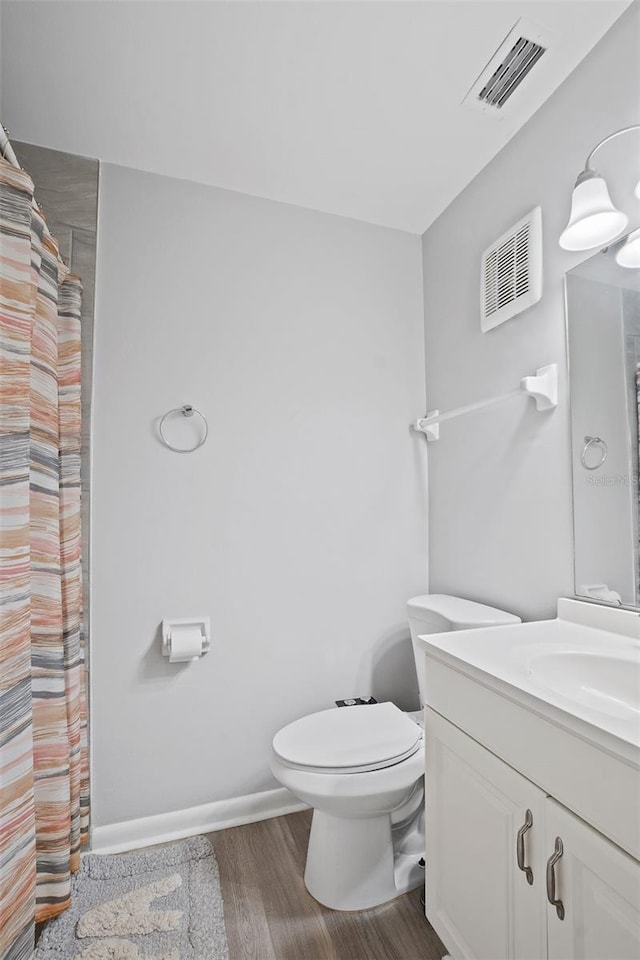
(603, 335)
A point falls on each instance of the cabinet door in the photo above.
(477, 899)
(599, 886)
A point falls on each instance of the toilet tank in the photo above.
(439, 613)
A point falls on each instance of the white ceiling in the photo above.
(351, 108)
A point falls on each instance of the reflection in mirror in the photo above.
(603, 332)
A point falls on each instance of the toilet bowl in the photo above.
(356, 768)
(362, 770)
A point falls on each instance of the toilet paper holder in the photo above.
(168, 626)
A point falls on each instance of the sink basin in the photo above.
(604, 682)
(582, 669)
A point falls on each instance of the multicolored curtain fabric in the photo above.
(44, 778)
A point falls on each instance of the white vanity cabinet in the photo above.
(477, 899)
(599, 886)
(490, 833)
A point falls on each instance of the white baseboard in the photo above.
(132, 834)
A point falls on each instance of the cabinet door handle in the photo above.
(551, 879)
(528, 823)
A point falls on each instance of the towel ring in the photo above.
(187, 411)
(588, 443)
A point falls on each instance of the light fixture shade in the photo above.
(629, 253)
(594, 220)
(637, 190)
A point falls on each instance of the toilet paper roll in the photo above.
(186, 644)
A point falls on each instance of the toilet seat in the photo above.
(348, 740)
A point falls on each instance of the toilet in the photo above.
(361, 769)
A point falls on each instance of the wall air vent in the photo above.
(511, 275)
(508, 68)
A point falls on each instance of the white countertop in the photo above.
(582, 676)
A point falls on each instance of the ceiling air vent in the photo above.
(509, 74)
(511, 64)
(511, 276)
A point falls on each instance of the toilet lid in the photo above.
(347, 739)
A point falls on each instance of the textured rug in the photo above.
(158, 904)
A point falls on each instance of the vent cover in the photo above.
(511, 278)
(508, 76)
(511, 64)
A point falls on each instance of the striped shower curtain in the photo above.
(43, 723)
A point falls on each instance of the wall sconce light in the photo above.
(594, 220)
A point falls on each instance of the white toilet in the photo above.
(361, 769)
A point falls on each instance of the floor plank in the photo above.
(269, 914)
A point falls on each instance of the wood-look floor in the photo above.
(269, 914)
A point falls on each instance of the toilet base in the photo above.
(358, 863)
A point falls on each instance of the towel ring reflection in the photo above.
(588, 443)
(187, 411)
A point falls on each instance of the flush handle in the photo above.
(528, 823)
(551, 879)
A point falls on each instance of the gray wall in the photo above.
(300, 527)
(500, 481)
